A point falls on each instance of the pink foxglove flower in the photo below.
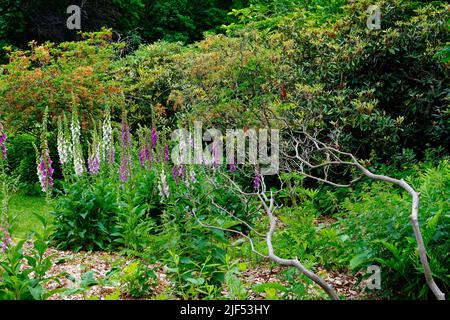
(44, 168)
(142, 157)
(175, 173)
(154, 137)
(5, 238)
(45, 172)
(257, 181)
(166, 154)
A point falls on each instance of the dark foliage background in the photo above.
(140, 20)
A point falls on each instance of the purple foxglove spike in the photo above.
(166, 154)
(154, 137)
(175, 173)
(142, 158)
(181, 172)
(3, 139)
(147, 153)
(123, 170)
(126, 136)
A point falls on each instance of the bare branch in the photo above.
(311, 147)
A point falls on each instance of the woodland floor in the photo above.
(76, 264)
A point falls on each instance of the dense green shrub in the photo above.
(139, 212)
(57, 77)
(380, 91)
(84, 218)
(377, 222)
(269, 15)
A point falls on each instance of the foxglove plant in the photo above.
(108, 149)
(181, 171)
(64, 143)
(163, 187)
(175, 173)
(8, 184)
(94, 162)
(154, 137)
(125, 154)
(77, 151)
(94, 152)
(257, 181)
(145, 150)
(44, 169)
(148, 155)
(5, 238)
(215, 155)
(166, 154)
(142, 157)
(192, 176)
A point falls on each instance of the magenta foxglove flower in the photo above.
(123, 170)
(154, 137)
(5, 238)
(166, 154)
(142, 158)
(145, 152)
(175, 173)
(257, 181)
(45, 173)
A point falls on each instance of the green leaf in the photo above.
(197, 281)
(264, 287)
(358, 260)
(31, 261)
(36, 292)
(87, 279)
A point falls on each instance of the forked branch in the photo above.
(309, 156)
